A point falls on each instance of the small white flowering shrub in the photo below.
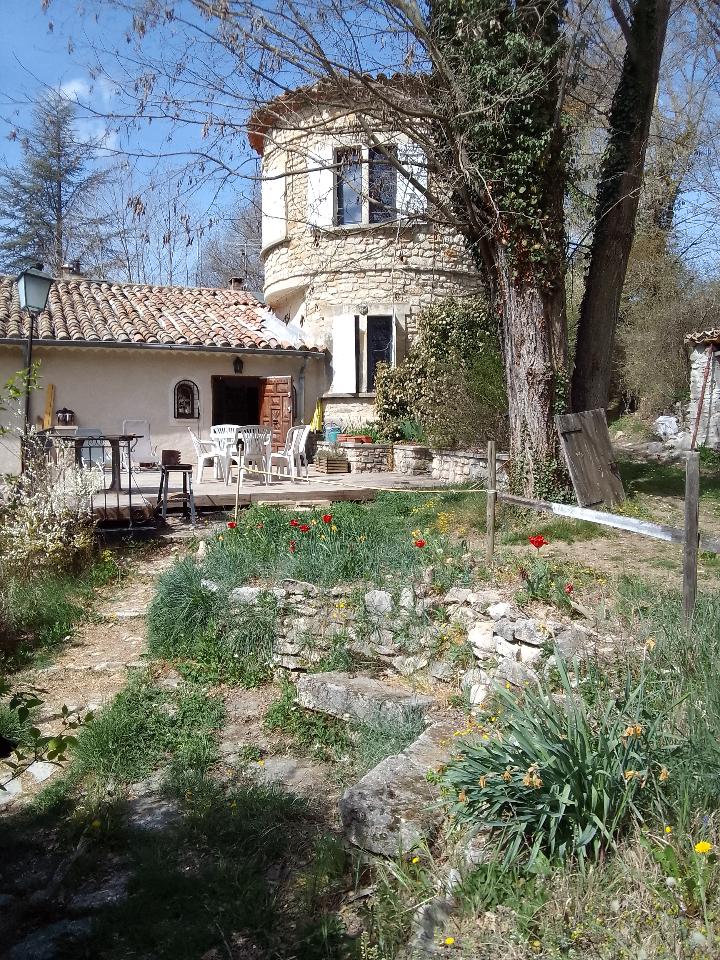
(46, 521)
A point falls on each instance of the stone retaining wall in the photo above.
(446, 466)
(366, 457)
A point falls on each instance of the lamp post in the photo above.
(33, 291)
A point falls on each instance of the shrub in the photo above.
(452, 382)
(561, 781)
(46, 521)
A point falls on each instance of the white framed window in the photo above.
(355, 185)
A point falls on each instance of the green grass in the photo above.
(381, 737)
(313, 734)
(208, 641)
(145, 728)
(665, 480)
(37, 614)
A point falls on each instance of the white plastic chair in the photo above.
(141, 450)
(253, 450)
(292, 459)
(208, 455)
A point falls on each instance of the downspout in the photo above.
(301, 390)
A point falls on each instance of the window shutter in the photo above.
(274, 212)
(411, 201)
(344, 363)
(320, 186)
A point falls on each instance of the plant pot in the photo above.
(330, 464)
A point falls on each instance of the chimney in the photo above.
(71, 271)
(237, 283)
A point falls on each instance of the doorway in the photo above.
(246, 401)
(235, 400)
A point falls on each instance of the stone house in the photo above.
(349, 250)
(177, 357)
(704, 410)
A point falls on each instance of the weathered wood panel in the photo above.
(586, 446)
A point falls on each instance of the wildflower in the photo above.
(538, 541)
(664, 775)
(416, 534)
(294, 523)
(568, 588)
(259, 525)
(221, 537)
(449, 941)
(462, 796)
(532, 778)
(482, 782)
(327, 518)
(420, 544)
(333, 528)
(703, 847)
(650, 643)
(668, 829)
(304, 528)
(260, 763)
(629, 774)
(416, 860)
(362, 538)
(507, 776)
(231, 525)
(313, 523)
(292, 546)
(96, 824)
(638, 730)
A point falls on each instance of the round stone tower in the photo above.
(349, 250)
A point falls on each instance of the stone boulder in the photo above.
(394, 808)
(356, 697)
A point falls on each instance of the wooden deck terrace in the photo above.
(215, 496)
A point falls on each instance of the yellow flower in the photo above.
(333, 528)
(703, 847)
(638, 730)
(482, 782)
(416, 534)
(416, 859)
(221, 537)
(668, 829)
(96, 824)
(462, 796)
(313, 523)
(449, 941)
(664, 775)
(507, 776)
(650, 643)
(260, 763)
(629, 774)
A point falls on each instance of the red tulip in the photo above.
(420, 544)
(294, 523)
(538, 541)
(569, 588)
(231, 525)
(304, 528)
(327, 518)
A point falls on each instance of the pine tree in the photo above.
(48, 202)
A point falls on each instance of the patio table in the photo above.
(114, 441)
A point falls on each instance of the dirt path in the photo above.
(92, 666)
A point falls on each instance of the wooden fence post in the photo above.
(692, 533)
(491, 501)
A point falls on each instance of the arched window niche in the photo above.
(187, 400)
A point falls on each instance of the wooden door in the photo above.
(585, 442)
(276, 408)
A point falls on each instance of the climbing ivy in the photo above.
(504, 59)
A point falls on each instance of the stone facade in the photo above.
(709, 426)
(335, 279)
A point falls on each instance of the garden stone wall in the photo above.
(446, 466)
(469, 634)
(366, 457)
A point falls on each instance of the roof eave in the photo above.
(184, 347)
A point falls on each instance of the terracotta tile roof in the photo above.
(703, 336)
(126, 313)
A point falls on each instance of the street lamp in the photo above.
(33, 291)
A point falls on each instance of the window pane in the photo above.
(379, 345)
(348, 185)
(383, 188)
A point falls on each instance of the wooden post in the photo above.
(491, 501)
(692, 534)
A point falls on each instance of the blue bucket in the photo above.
(331, 434)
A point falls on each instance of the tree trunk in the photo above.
(531, 318)
(617, 203)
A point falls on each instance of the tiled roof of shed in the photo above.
(704, 336)
(98, 311)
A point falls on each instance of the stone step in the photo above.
(393, 808)
(357, 697)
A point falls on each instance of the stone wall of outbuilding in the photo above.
(709, 426)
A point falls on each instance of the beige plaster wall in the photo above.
(105, 386)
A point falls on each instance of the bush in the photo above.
(452, 384)
(562, 780)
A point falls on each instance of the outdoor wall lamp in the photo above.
(237, 365)
(33, 292)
